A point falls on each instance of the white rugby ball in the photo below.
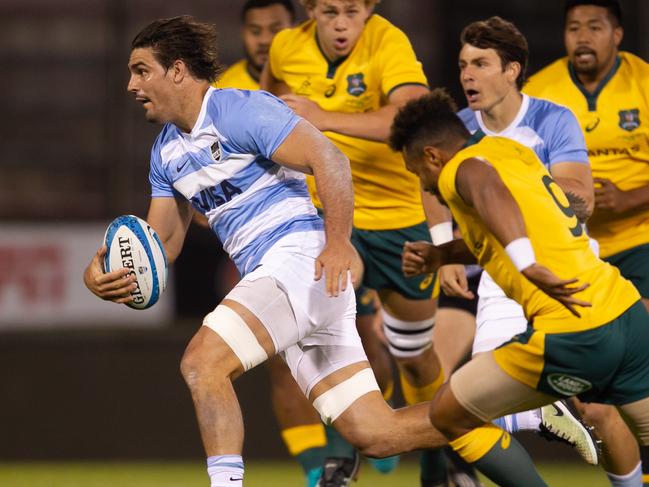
(133, 244)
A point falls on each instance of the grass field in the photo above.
(258, 474)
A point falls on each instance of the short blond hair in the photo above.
(310, 4)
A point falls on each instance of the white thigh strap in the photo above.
(235, 332)
(336, 400)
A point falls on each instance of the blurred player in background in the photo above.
(347, 71)
(607, 91)
(588, 331)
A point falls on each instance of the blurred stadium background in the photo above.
(91, 394)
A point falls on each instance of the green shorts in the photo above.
(381, 250)
(608, 364)
(365, 302)
(634, 265)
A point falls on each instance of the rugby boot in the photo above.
(561, 422)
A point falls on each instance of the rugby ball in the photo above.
(133, 244)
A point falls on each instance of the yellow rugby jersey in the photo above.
(615, 121)
(237, 76)
(386, 196)
(558, 239)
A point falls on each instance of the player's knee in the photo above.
(597, 415)
(203, 359)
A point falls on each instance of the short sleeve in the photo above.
(566, 143)
(398, 63)
(160, 185)
(255, 122)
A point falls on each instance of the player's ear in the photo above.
(178, 70)
(513, 69)
(618, 34)
(433, 156)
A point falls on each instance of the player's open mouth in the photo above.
(585, 54)
(471, 95)
(340, 43)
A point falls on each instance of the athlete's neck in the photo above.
(500, 115)
(591, 81)
(190, 104)
(253, 71)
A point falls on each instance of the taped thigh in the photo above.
(335, 401)
(408, 338)
(636, 415)
(486, 391)
(235, 332)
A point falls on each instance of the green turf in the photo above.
(258, 474)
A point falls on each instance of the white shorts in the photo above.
(498, 318)
(316, 334)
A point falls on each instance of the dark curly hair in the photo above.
(501, 36)
(182, 38)
(612, 6)
(429, 120)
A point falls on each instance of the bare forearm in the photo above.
(456, 252)
(638, 198)
(436, 213)
(333, 182)
(369, 125)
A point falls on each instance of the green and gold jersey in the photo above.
(237, 76)
(615, 121)
(558, 239)
(386, 196)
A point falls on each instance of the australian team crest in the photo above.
(355, 84)
(629, 119)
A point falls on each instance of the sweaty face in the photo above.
(591, 39)
(339, 23)
(151, 84)
(259, 27)
(483, 78)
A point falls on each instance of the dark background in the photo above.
(75, 147)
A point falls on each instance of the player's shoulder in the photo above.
(635, 63)
(234, 69)
(468, 119)
(380, 32)
(303, 31)
(547, 77)
(543, 110)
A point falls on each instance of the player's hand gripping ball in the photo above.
(133, 244)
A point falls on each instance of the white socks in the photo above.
(525, 421)
(225, 470)
(632, 479)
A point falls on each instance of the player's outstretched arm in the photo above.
(372, 125)
(307, 150)
(480, 186)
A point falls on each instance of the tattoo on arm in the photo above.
(579, 206)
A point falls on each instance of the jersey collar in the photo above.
(332, 66)
(476, 137)
(517, 119)
(201, 114)
(591, 98)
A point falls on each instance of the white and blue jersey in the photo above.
(224, 168)
(550, 130)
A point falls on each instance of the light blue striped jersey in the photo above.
(224, 168)
(551, 130)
